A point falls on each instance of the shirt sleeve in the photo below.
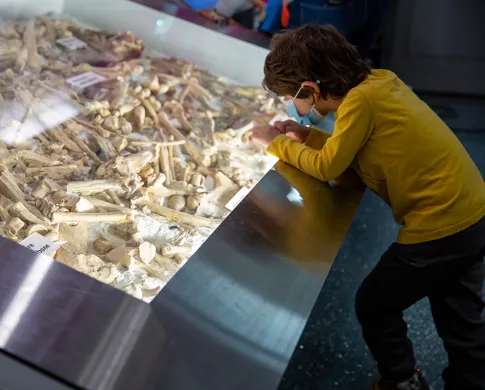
(317, 139)
(353, 128)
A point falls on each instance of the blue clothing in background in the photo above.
(198, 5)
(272, 21)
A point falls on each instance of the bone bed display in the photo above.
(129, 172)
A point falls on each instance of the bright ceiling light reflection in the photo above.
(18, 125)
(294, 197)
(21, 301)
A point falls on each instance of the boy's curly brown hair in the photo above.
(309, 53)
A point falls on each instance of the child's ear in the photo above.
(317, 94)
(312, 85)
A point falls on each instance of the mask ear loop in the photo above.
(296, 95)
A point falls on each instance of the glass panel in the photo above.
(122, 158)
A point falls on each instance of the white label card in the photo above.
(84, 80)
(40, 244)
(71, 43)
(236, 199)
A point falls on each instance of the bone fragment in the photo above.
(120, 255)
(180, 259)
(224, 189)
(111, 123)
(165, 164)
(57, 172)
(126, 108)
(174, 188)
(212, 127)
(16, 224)
(20, 210)
(116, 217)
(133, 164)
(134, 290)
(105, 145)
(184, 93)
(172, 250)
(158, 182)
(120, 143)
(171, 162)
(180, 216)
(88, 264)
(115, 197)
(197, 90)
(154, 85)
(76, 237)
(29, 156)
(148, 293)
(5, 216)
(193, 202)
(42, 190)
(59, 135)
(83, 205)
(197, 179)
(179, 114)
(90, 187)
(147, 252)
(150, 143)
(35, 228)
(138, 115)
(149, 108)
(30, 44)
(9, 186)
(124, 231)
(98, 129)
(198, 157)
(52, 184)
(177, 202)
(109, 206)
(85, 148)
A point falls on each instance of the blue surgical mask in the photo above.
(312, 118)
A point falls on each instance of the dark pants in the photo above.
(448, 271)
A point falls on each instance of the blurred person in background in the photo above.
(241, 12)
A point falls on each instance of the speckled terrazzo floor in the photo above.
(331, 353)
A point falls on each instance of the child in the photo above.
(411, 159)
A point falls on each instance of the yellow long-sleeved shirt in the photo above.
(406, 154)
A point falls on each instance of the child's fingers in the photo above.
(280, 126)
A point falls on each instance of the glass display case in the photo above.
(124, 136)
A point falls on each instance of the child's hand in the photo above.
(293, 130)
(265, 134)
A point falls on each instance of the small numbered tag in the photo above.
(40, 244)
(236, 199)
(71, 43)
(84, 80)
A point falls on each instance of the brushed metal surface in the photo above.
(229, 319)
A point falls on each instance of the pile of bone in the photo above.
(157, 138)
